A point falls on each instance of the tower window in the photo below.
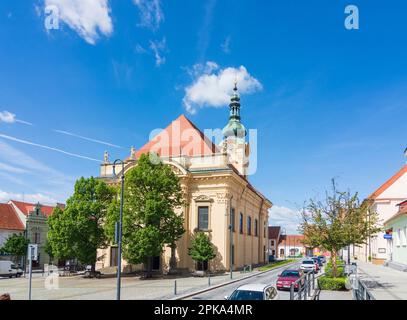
(241, 223)
(249, 226)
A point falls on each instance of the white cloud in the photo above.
(226, 45)
(151, 14)
(286, 218)
(140, 49)
(158, 47)
(8, 117)
(89, 18)
(212, 86)
(33, 198)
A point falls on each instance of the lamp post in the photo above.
(119, 231)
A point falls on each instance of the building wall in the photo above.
(379, 250)
(215, 191)
(5, 234)
(399, 242)
(38, 224)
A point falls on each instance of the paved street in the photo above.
(72, 288)
(267, 278)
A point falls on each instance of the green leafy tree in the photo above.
(201, 249)
(77, 231)
(16, 245)
(152, 193)
(336, 222)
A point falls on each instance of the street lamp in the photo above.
(119, 229)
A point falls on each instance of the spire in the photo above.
(234, 127)
(234, 104)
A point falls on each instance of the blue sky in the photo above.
(326, 101)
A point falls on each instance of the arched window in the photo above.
(249, 225)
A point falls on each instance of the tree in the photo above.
(16, 245)
(77, 231)
(152, 193)
(336, 222)
(201, 249)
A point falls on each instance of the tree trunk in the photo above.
(149, 267)
(334, 267)
(173, 259)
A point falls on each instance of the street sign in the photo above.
(388, 236)
(32, 253)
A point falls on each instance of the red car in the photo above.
(287, 277)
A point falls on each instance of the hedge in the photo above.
(328, 283)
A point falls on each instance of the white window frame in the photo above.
(404, 236)
(398, 235)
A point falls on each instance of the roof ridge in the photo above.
(388, 183)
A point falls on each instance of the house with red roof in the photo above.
(388, 201)
(214, 169)
(29, 219)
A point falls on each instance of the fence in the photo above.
(359, 288)
(305, 288)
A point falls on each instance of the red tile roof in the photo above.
(181, 137)
(388, 183)
(9, 219)
(274, 232)
(26, 207)
(292, 240)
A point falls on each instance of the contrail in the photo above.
(88, 139)
(47, 148)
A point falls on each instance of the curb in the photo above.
(187, 295)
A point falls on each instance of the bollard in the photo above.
(292, 292)
(175, 287)
(209, 280)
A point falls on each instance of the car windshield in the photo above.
(308, 262)
(290, 274)
(246, 295)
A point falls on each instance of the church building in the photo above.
(219, 195)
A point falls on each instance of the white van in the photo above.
(8, 269)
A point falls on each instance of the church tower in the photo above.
(234, 133)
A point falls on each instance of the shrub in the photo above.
(328, 283)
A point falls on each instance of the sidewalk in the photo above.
(335, 295)
(383, 282)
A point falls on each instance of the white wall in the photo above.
(5, 234)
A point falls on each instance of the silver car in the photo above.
(258, 291)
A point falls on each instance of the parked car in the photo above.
(18, 269)
(288, 277)
(8, 269)
(308, 265)
(318, 261)
(322, 258)
(258, 291)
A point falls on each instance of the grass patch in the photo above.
(275, 264)
(335, 284)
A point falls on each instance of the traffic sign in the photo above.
(32, 253)
(388, 236)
